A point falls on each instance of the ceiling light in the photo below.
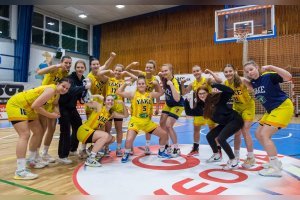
(51, 23)
(82, 16)
(120, 6)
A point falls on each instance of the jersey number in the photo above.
(113, 90)
(144, 108)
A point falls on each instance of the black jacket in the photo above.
(196, 111)
(69, 100)
(223, 114)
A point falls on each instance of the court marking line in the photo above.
(25, 187)
(7, 136)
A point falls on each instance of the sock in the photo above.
(93, 155)
(196, 146)
(32, 155)
(37, 155)
(147, 142)
(162, 148)
(237, 153)
(21, 164)
(127, 150)
(83, 147)
(119, 146)
(45, 150)
(250, 155)
(274, 161)
(175, 146)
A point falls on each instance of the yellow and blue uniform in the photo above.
(141, 111)
(97, 87)
(112, 85)
(279, 107)
(18, 107)
(54, 76)
(200, 120)
(243, 103)
(172, 107)
(95, 120)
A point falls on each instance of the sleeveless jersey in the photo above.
(241, 94)
(98, 118)
(112, 85)
(54, 76)
(141, 105)
(97, 86)
(202, 82)
(149, 84)
(170, 101)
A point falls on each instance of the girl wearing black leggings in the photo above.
(228, 120)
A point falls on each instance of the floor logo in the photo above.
(150, 175)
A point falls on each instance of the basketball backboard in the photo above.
(257, 21)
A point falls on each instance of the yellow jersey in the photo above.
(54, 76)
(25, 99)
(241, 94)
(141, 105)
(203, 82)
(112, 85)
(98, 118)
(97, 86)
(150, 86)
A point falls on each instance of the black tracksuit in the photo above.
(228, 120)
(69, 116)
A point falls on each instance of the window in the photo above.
(4, 21)
(57, 33)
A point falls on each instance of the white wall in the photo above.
(36, 58)
(7, 47)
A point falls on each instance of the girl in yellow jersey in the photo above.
(98, 86)
(244, 104)
(152, 84)
(112, 84)
(52, 74)
(89, 133)
(193, 86)
(141, 111)
(22, 110)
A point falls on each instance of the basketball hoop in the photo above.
(241, 35)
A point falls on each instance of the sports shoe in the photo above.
(249, 162)
(92, 162)
(48, 158)
(169, 149)
(99, 156)
(176, 152)
(82, 154)
(106, 151)
(231, 164)
(39, 159)
(216, 157)
(125, 158)
(163, 154)
(119, 152)
(147, 150)
(34, 164)
(25, 174)
(73, 153)
(89, 150)
(270, 172)
(267, 165)
(65, 161)
(194, 152)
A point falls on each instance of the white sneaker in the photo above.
(65, 161)
(48, 158)
(231, 165)
(25, 174)
(41, 161)
(249, 162)
(73, 153)
(216, 157)
(176, 152)
(267, 165)
(34, 164)
(92, 162)
(270, 172)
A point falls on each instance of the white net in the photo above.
(241, 35)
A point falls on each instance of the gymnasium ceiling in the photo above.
(99, 14)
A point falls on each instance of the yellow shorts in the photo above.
(280, 116)
(17, 112)
(174, 112)
(84, 132)
(201, 121)
(139, 124)
(246, 111)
